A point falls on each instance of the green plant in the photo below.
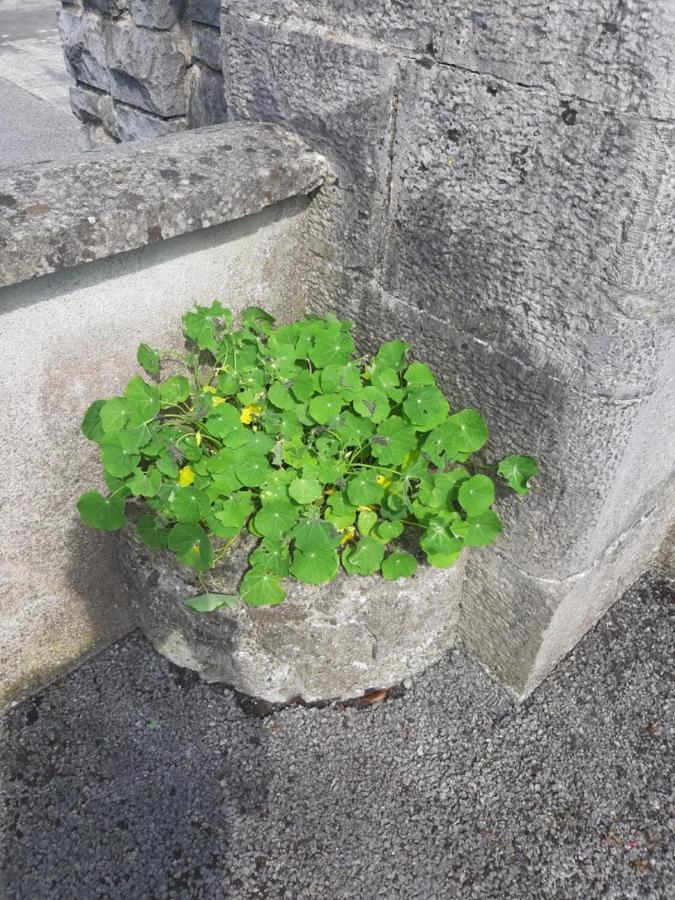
(326, 456)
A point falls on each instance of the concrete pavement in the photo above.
(35, 118)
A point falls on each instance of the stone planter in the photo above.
(331, 641)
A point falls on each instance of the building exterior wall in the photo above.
(503, 197)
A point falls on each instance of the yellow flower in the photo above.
(349, 535)
(250, 412)
(216, 400)
(364, 508)
(383, 480)
(186, 476)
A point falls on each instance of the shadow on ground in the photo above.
(132, 779)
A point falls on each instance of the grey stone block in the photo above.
(617, 54)
(84, 49)
(206, 46)
(590, 447)
(135, 125)
(148, 69)
(519, 225)
(339, 98)
(112, 8)
(94, 108)
(324, 642)
(205, 11)
(161, 14)
(519, 627)
(207, 103)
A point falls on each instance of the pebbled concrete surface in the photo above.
(133, 779)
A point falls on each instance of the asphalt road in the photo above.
(132, 779)
(35, 118)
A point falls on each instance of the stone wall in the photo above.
(503, 197)
(97, 255)
(142, 68)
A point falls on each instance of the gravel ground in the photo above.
(131, 779)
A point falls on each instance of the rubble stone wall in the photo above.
(142, 68)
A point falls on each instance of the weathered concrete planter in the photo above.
(335, 641)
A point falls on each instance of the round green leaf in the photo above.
(151, 532)
(174, 390)
(142, 401)
(393, 441)
(92, 427)
(145, 483)
(325, 407)
(366, 521)
(425, 406)
(210, 602)
(476, 494)
(305, 490)
(366, 557)
(373, 404)
(332, 348)
(478, 531)
(189, 504)
(104, 513)
(148, 358)
(363, 489)
(261, 588)
(113, 414)
(438, 541)
(314, 566)
(271, 556)
(280, 396)
(253, 471)
(471, 430)
(392, 354)
(386, 531)
(191, 545)
(398, 565)
(315, 534)
(235, 510)
(517, 471)
(340, 379)
(419, 373)
(115, 458)
(339, 511)
(276, 519)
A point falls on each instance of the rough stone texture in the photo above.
(206, 46)
(148, 69)
(205, 11)
(158, 13)
(515, 215)
(619, 54)
(59, 215)
(133, 124)
(324, 642)
(207, 104)
(84, 49)
(112, 8)
(134, 779)
(95, 108)
(339, 98)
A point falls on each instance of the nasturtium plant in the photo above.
(330, 459)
